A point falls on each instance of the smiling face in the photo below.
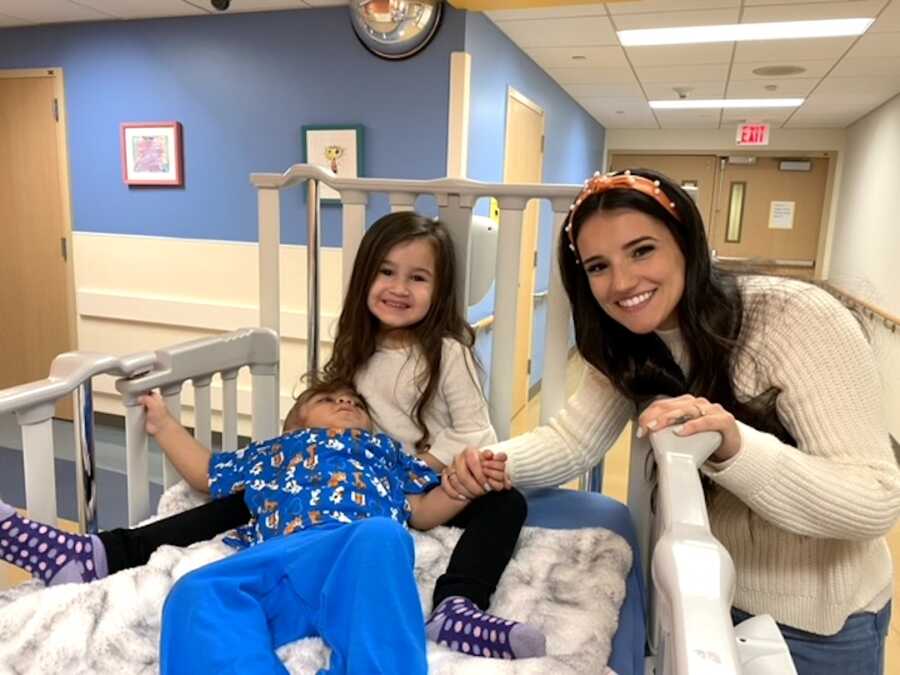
(341, 409)
(401, 293)
(635, 268)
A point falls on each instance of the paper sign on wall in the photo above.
(781, 215)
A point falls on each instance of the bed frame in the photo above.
(688, 572)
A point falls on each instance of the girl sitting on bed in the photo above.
(402, 340)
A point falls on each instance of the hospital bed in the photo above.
(675, 614)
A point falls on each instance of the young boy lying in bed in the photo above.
(345, 573)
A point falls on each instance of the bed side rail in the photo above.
(198, 361)
(456, 199)
(693, 575)
(34, 405)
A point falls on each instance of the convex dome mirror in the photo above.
(395, 29)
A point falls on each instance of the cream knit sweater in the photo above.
(457, 416)
(805, 525)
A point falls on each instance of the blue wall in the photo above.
(242, 85)
(573, 143)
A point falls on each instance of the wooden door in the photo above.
(769, 217)
(523, 163)
(697, 170)
(35, 275)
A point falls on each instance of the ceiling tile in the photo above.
(585, 31)
(807, 11)
(239, 6)
(566, 76)
(594, 9)
(620, 112)
(773, 116)
(786, 51)
(668, 5)
(688, 119)
(787, 88)
(876, 46)
(680, 55)
(699, 73)
(744, 71)
(50, 11)
(888, 21)
(669, 19)
(665, 90)
(859, 90)
(606, 90)
(7, 21)
(859, 67)
(141, 9)
(594, 57)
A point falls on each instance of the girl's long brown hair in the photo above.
(358, 329)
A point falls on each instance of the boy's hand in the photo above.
(158, 416)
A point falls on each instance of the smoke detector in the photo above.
(682, 92)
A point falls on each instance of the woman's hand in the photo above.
(474, 473)
(693, 414)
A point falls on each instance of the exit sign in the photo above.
(753, 134)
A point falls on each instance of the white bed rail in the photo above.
(198, 361)
(689, 615)
(167, 369)
(456, 199)
(34, 405)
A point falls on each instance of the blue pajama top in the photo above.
(315, 476)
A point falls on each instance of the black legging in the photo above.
(492, 525)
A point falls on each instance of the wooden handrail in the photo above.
(890, 321)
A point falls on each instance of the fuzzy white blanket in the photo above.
(571, 583)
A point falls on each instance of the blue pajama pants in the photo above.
(352, 585)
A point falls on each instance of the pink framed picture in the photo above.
(151, 153)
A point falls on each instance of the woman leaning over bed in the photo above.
(804, 485)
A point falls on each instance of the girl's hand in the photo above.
(464, 478)
(693, 414)
(158, 416)
(494, 468)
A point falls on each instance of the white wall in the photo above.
(866, 240)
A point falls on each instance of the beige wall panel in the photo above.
(127, 303)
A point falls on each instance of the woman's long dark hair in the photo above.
(358, 329)
(709, 315)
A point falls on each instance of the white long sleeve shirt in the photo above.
(457, 416)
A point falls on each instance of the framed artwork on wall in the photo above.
(152, 153)
(337, 148)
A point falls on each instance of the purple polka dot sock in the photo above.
(51, 555)
(459, 624)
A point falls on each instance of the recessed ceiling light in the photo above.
(778, 71)
(776, 30)
(727, 103)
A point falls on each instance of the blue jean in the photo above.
(352, 585)
(857, 649)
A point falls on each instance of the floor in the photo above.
(615, 482)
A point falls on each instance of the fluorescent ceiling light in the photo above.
(684, 104)
(778, 30)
